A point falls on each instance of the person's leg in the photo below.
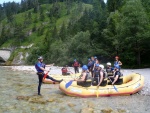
(51, 78)
(40, 76)
(77, 69)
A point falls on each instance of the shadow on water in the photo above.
(19, 94)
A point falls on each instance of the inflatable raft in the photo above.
(131, 84)
(59, 77)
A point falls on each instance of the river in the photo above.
(18, 94)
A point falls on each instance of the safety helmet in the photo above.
(89, 59)
(40, 58)
(96, 65)
(95, 57)
(109, 64)
(117, 57)
(101, 66)
(85, 67)
(75, 60)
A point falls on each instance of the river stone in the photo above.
(71, 105)
(91, 104)
(107, 110)
(121, 110)
(51, 100)
(87, 110)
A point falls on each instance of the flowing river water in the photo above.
(18, 94)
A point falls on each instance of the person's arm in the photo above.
(93, 67)
(120, 63)
(83, 77)
(101, 78)
(49, 65)
(116, 78)
(43, 68)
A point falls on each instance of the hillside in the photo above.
(63, 30)
(35, 28)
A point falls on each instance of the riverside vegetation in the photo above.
(62, 30)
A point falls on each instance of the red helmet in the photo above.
(117, 57)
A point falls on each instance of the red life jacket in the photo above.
(76, 64)
(64, 70)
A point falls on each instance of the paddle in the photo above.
(48, 71)
(97, 91)
(113, 85)
(97, 87)
(46, 74)
(68, 84)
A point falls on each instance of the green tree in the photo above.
(134, 28)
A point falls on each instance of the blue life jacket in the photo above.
(38, 65)
(117, 64)
(97, 73)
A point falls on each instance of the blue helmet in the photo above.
(89, 59)
(96, 65)
(75, 60)
(85, 67)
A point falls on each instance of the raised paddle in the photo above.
(46, 74)
(113, 85)
(48, 71)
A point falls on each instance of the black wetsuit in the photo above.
(112, 79)
(41, 74)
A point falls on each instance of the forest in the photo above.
(64, 30)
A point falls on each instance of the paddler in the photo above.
(40, 67)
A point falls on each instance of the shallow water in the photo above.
(18, 94)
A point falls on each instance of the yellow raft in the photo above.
(59, 77)
(131, 84)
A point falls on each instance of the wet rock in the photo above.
(51, 100)
(90, 104)
(71, 105)
(87, 110)
(121, 111)
(62, 109)
(107, 110)
(37, 100)
(23, 98)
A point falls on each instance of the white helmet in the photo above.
(109, 64)
(101, 66)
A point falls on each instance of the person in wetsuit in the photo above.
(98, 75)
(65, 70)
(40, 67)
(76, 66)
(116, 76)
(81, 81)
(109, 69)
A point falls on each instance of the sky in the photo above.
(2, 1)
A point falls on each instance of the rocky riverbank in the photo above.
(19, 85)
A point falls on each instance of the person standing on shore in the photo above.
(40, 67)
(76, 66)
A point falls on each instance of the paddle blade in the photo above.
(68, 84)
(45, 75)
(97, 93)
(115, 88)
